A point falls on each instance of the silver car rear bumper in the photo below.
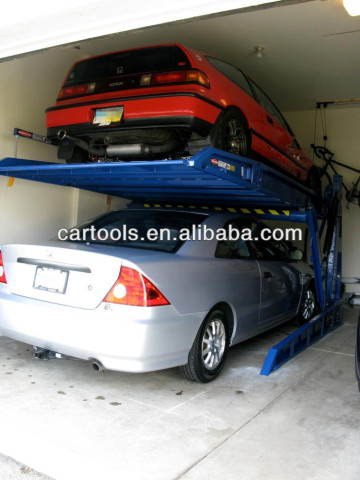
(124, 338)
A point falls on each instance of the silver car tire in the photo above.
(208, 353)
(309, 307)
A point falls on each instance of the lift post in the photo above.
(226, 182)
(327, 274)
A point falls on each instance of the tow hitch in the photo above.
(44, 354)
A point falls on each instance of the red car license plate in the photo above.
(106, 116)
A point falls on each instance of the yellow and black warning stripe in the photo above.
(247, 211)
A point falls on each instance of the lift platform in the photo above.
(223, 181)
(210, 177)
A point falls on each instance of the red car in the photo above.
(169, 101)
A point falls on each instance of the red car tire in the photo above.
(231, 133)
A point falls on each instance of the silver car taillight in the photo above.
(133, 288)
(2, 270)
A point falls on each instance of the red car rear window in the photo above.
(143, 60)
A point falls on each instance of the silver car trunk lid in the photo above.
(68, 274)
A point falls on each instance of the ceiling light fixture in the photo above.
(259, 50)
(352, 7)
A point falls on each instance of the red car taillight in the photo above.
(180, 76)
(133, 288)
(2, 270)
(76, 91)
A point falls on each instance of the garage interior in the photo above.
(64, 420)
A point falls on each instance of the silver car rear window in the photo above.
(153, 230)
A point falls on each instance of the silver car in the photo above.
(139, 290)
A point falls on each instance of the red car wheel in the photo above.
(231, 133)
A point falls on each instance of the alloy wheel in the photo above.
(213, 344)
(235, 138)
(309, 304)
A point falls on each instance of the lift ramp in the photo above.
(305, 336)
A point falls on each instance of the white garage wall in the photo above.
(342, 127)
(31, 211)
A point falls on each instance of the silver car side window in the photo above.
(229, 248)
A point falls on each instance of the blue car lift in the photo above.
(214, 179)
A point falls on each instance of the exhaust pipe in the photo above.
(62, 135)
(130, 150)
(137, 149)
(97, 366)
(120, 150)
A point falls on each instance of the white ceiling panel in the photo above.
(30, 26)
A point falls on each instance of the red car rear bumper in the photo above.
(167, 110)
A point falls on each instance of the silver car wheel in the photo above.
(213, 344)
(209, 350)
(309, 304)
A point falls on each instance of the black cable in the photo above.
(315, 127)
(323, 124)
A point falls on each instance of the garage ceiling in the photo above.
(311, 47)
(33, 25)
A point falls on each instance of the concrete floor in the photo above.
(68, 422)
